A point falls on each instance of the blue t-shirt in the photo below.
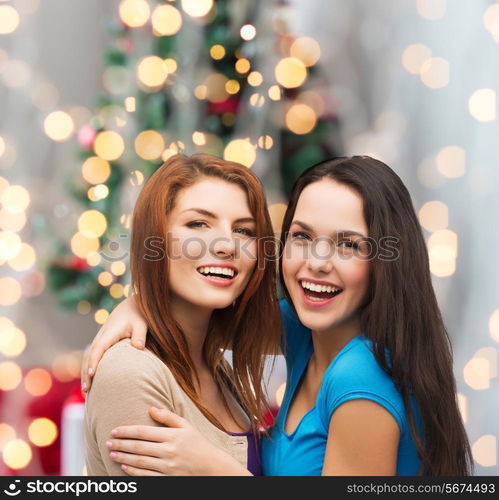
(353, 374)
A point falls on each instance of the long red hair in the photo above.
(250, 328)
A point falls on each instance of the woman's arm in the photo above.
(362, 441)
(178, 449)
(125, 321)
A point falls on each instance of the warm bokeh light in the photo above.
(10, 375)
(255, 78)
(7, 433)
(434, 215)
(82, 246)
(100, 191)
(25, 259)
(290, 72)
(10, 245)
(101, 316)
(243, 65)
(152, 71)
(306, 49)
(442, 251)
(491, 20)
(451, 162)
(215, 87)
(482, 105)
(10, 291)
(92, 223)
(463, 407)
(12, 222)
(277, 211)
(257, 100)
(109, 145)
(166, 20)
(275, 92)
(118, 268)
(96, 170)
(248, 32)
(414, 57)
(432, 9)
(480, 369)
(12, 342)
(42, 432)
(300, 119)
(130, 104)
(241, 151)
(38, 382)
(105, 278)
(66, 367)
(17, 454)
(484, 450)
(116, 291)
(136, 178)
(435, 72)
(199, 138)
(197, 8)
(217, 52)
(149, 145)
(232, 87)
(265, 142)
(59, 126)
(15, 199)
(134, 13)
(9, 19)
(2, 146)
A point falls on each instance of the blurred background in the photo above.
(95, 95)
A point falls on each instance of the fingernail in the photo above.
(114, 432)
(139, 344)
(109, 444)
(83, 387)
(113, 454)
(90, 371)
(124, 467)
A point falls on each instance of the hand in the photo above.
(124, 322)
(176, 450)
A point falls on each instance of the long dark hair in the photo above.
(400, 311)
(250, 328)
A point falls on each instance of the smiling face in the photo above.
(324, 264)
(211, 244)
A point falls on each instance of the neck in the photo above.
(328, 343)
(194, 322)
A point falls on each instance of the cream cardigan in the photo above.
(127, 382)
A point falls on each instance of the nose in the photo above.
(320, 258)
(223, 246)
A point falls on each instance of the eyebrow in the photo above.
(344, 232)
(207, 213)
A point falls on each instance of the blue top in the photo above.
(353, 374)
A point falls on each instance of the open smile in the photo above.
(218, 275)
(318, 294)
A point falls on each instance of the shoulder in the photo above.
(122, 364)
(356, 374)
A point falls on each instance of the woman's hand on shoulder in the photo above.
(124, 322)
(178, 449)
(363, 440)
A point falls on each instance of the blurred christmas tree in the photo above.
(226, 78)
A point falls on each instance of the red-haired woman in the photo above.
(199, 235)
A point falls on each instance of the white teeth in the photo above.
(217, 270)
(314, 287)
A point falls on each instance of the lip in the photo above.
(316, 303)
(220, 282)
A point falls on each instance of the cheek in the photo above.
(356, 274)
(292, 260)
(183, 248)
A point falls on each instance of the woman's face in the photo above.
(325, 268)
(211, 244)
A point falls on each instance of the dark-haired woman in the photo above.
(370, 388)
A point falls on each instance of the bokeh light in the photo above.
(149, 145)
(484, 450)
(10, 375)
(12, 342)
(442, 251)
(134, 13)
(38, 382)
(197, 8)
(434, 215)
(42, 432)
(482, 105)
(118, 268)
(217, 52)
(7, 433)
(290, 72)
(9, 19)
(17, 454)
(10, 245)
(451, 162)
(10, 291)
(435, 72)
(300, 119)
(494, 325)
(59, 126)
(96, 170)
(166, 20)
(307, 50)
(92, 223)
(109, 145)
(25, 259)
(101, 316)
(414, 57)
(248, 32)
(152, 71)
(15, 199)
(432, 9)
(82, 246)
(241, 151)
